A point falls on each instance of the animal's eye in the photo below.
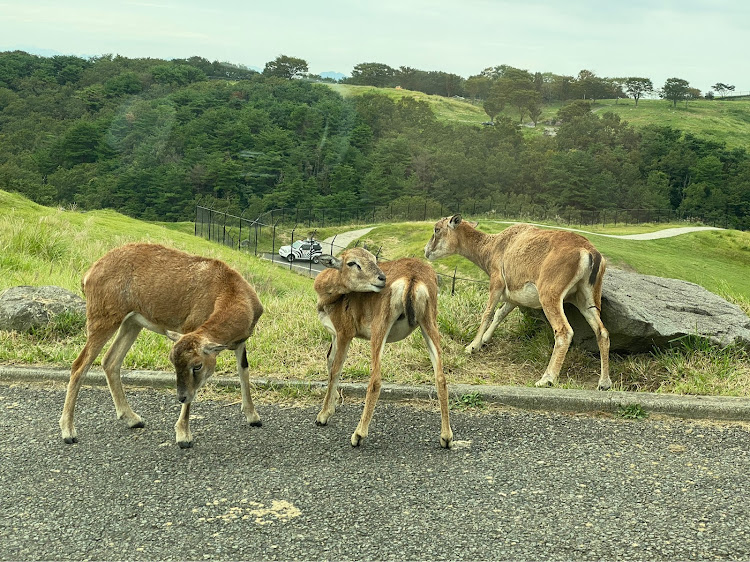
(354, 263)
(437, 229)
(197, 368)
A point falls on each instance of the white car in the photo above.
(302, 250)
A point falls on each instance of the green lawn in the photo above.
(45, 246)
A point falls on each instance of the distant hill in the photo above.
(723, 121)
(333, 75)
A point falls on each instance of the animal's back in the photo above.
(526, 248)
(162, 284)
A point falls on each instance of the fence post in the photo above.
(290, 249)
(332, 241)
(256, 240)
(453, 285)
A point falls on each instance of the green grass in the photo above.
(445, 109)
(43, 246)
(717, 260)
(718, 120)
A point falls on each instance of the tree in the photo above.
(674, 90)
(286, 67)
(723, 88)
(592, 87)
(636, 87)
(373, 74)
(692, 94)
(477, 87)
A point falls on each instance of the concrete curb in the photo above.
(549, 399)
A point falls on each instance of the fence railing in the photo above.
(265, 235)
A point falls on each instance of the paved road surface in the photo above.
(519, 485)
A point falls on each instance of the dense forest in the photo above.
(153, 138)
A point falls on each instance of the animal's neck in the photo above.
(329, 287)
(474, 246)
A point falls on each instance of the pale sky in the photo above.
(701, 41)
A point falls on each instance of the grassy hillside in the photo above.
(446, 109)
(719, 120)
(44, 246)
(717, 260)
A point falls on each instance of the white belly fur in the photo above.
(527, 296)
(399, 331)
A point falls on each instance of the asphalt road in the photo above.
(518, 485)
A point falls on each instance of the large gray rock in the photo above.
(25, 308)
(643, 312)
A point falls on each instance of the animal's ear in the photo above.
(174, 336)
(474, 224)
(330, 261)
(213, 348)
(454, 221)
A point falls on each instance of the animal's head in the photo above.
(194, 360)
(358, 270)
(444, 241)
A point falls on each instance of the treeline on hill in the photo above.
(153, 138)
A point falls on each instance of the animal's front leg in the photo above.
(495, 293)
(248, 408)
(500, 315)
(377, 346)
(335, 361)
(182, 428)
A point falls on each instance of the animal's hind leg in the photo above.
(563, 337)
(94, 344)
(377, 346)
(432, 339)
(592, 316)
(112, 363)
(248, 408)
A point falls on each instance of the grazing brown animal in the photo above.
(535, 268)
(358, 299)
(201, 304)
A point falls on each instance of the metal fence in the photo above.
(264, 235)
(264, 240)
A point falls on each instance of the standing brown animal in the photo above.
(535, 268)
(201, 304)
(358, 299)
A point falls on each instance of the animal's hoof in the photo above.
(321, 423)
(544, 383)
(140, 424)
(184, 444)
(446, 443)
(604, 386)
(70, 440)
(256, 423)
(356, 440)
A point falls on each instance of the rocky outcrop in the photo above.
(643, 312)
(25, 308)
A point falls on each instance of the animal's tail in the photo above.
(416, 298)
(598, 267)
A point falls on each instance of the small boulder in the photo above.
(25, 308)
(644, 312)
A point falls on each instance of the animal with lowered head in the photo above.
(358, 298)
(201, 304)
(534, 268)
